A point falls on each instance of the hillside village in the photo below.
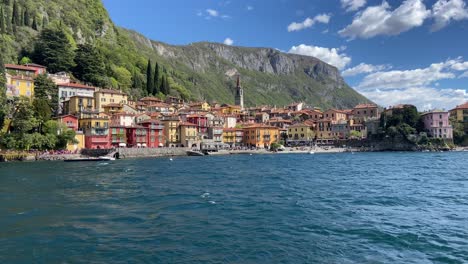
(108, 118)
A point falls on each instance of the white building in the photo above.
(67, 90)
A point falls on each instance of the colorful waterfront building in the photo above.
(189, 135)
(171, 130)
(301, 133)
(155, 133)
(137, 136)
(260, 136)
(233, 137)
(460, 114)
(200, 106)
(118, 135)
(324, 133)
(437, 124)
(335, 115)
(96, 131)
(201, 121)
(72, 123)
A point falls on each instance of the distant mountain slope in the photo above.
(199, 71)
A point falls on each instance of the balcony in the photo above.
(99, 131)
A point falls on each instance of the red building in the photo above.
(155, 135)
(69, 120)
(201, 121)
(118, 135)
(137, 136)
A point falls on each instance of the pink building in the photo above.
(437, 124)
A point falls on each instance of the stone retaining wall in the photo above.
(151, 152)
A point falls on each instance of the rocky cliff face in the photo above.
(270, 76)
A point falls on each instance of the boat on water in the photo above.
(311, 152)
(194, 153)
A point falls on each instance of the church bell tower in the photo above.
(239, 94)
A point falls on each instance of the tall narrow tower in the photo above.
(239, 94)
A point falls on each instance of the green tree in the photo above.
(3, 106)
(45, 22)
(90, 65)
(2, 22)
(149, 78)
(25, 60)
(156, 79)
(53, 50)
(42, 111)
(15, 19)
(23, 120)
(34, 23)
(123, 76)
(46, 90)
(136, 80)
(26, 17)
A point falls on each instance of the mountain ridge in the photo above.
(198, 71)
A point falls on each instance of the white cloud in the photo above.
(228, 41)
(352, 5)
(444, 11)
(250, 8)
(363, 68)
(464, 75)
(212, 12)
(309, 22)
(425, 98)
(408, 78)
(380, 20)
(331, 56)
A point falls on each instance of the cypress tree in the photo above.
(3, 107)
(156, 79)
(26, 17)
(161, 85)
(7, 2)
(149, 78)
(45, 22)
(2, 22)
(34, 23)
(167, 86)
(15, 18)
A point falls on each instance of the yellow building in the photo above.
(301, 132)
(233, 136)
(20, 85)
(260, 136)
(78, 104)
(324, 130)
(231, 109)
(171, 130)
(113, 108)
(80, 139)
(188, 134)
(335, 115)
(105, 96)
(201, 106)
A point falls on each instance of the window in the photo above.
(28, 84)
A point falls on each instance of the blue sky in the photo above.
(406, 51)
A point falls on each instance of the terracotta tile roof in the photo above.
(110, 91)
(462, 106)
(361, 106)
(76, 85)
(19, 67)
(35, 65)
(300, 125)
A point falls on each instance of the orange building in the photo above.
(260, 136)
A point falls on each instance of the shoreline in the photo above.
(182, 153)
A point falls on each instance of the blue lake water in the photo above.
(322, 208)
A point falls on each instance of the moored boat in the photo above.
(194, 153)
